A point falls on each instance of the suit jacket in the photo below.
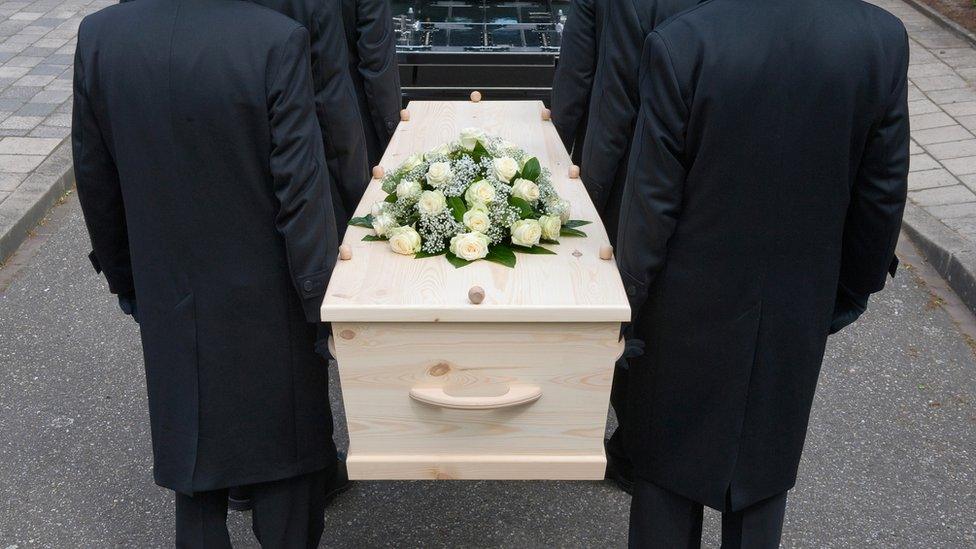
(769, 167)
(573, 81)
(202, 178)
(372, 63)
(613, 112)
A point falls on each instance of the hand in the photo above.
(848, 307)
(633, 347)
(127, 302)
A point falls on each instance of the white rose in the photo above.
(432, 203)
(377, 208)
(408, 189)
(443, 149)
(470, 246)
(477, 220)
(526, 190)
(383, 223)
(551, 225)
(411, 162)
(526, 232)
(506, 145)
(504, 168)
(404, 240)
(439, 174)
(480, 191)
(470, 138)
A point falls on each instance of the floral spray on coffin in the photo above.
(479, 197)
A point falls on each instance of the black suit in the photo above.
(336, 104)
(372, 63)
(573, 81)
(769, 167)
(202, 177)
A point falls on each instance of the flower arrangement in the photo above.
(478, 197)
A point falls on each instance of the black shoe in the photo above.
(239, 499)
(620, 470)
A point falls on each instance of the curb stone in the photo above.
(28, 205)
(943, 21)
(952, 256)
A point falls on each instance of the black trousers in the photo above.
(287, 514)
(662, 519)
(618, 399)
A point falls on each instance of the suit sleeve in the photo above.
(376, 45)
(337, 109)
(301, 182)
(616, 100)
(878, 194)
(99, 190)
(574, 74)
(656, 174)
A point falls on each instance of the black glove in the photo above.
(127, 302)
(633, 347)
(848, 307)
(322, 332)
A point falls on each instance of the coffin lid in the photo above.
(575, 285)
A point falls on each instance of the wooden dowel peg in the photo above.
(574, 172)
(476, 295)
(475, 96)
(378, 172)
(546, 114)
(345, 252)
(606, 252)
(404, 115)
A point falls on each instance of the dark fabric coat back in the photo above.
(373, 65)
(769, 167)
(613, 111)
(202, 177)
(573, 81)
(336, 102)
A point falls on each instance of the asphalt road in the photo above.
(890, 460)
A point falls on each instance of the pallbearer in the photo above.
(764, 198)
(371, 43)
(201, 174)
(611, 120)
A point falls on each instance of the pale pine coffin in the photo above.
(516, 387)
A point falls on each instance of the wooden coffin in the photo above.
(516, 387)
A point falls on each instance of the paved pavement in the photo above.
(890, 460)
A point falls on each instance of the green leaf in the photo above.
(548, 241)
(531, 170)
(573, 223)
(457, 207)
(501, 254)
(422, 254)
(391, 198)
(364, 221)
(525, 209)
(479, 151)
(569, 231)
(457, 261)
(538, 250)
(373, 238)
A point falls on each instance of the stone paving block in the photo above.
(60, 119)
(13, 72)
(28, 145)
(24, 61)
(936, 83)
(960, 109)
(961, 166)
(953, 210)
(36, 109)
(17, 163)
(20, 122)
(956, 149)
(969, 122)
(916, 180)
(61, 59)
(12, 47)
(914, 94)
(917, 163)
(969, 181)
(25, 16)
(3, 196)
(956, 194)
(939, 39)
(923, 106)
(46, 70)
(929, 69)
(950, 96)
(35, 80)
(9, 181)
(914, 148)
(944, 134)
(51, 96)
(931, 120)
(50, 131)
(20, 92)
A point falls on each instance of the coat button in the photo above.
(390, 124)
(307, 285)
(631, 290)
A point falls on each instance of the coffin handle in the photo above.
(516, 395)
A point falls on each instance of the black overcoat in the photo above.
(373, 65)
(202, 178)
(336, 103)
(613, 112)
(573, 80)
(769, 166)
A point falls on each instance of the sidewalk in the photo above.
(36, 50)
